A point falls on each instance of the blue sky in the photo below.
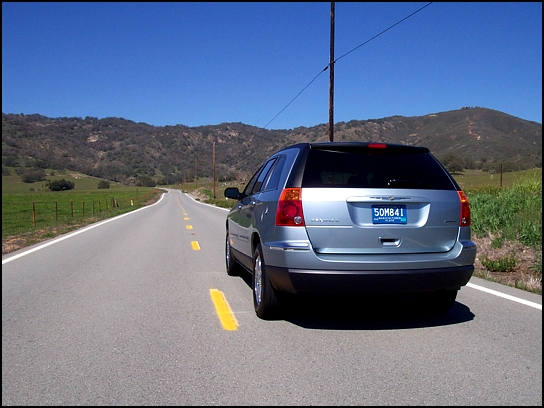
(263, 64)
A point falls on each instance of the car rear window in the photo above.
(274, 179)
(367, 168)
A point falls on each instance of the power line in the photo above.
(295, 97)
(342, 56)
(387, 29)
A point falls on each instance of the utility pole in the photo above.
(196, 177)
(331, 80)
(213, 165)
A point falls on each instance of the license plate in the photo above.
(389, 214)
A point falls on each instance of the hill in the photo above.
(122, 150)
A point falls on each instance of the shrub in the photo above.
(145, 181)
(60, 185)
(103, 184)
(30, 176)
(453, 162)
(506, 264)
(511, 213)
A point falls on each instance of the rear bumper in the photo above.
(305, 281)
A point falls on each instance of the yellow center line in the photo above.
(195, 245)
(179, 204)
(226, 317)
(189, 226)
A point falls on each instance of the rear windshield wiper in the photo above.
(408, 184)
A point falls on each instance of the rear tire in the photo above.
(265, 298)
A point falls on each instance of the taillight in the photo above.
(377, 146)
(289, 211)
(464, 220)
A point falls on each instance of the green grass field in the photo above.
(475, 179)
(29, 207)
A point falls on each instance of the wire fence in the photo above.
(19, 217)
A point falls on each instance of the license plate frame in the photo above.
(389, 214)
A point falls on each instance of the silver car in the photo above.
(350, 218)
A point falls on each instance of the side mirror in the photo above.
(233, 192)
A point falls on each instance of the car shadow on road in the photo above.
(369, 313)
(365, 312)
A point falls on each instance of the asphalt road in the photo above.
(126, 312)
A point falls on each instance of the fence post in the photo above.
(72, 207)
(57, 211)
(33, 215)
(83, 208)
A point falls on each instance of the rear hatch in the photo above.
(378, 199)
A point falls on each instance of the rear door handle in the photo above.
(390, 242)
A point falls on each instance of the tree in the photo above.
(145, 181)
(10, 161)
(59, 185)
(453, 162)
(103, 184)
(30, 176)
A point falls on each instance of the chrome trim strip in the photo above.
(290, 246)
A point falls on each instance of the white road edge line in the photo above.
(200, 202)
(515, 299)
(5, 261)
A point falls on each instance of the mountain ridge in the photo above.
(123, 150)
